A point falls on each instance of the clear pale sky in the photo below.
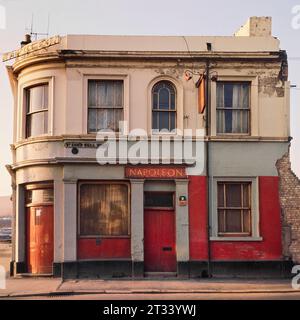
(141, 17)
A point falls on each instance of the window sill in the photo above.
(233, 135)
(164, 134)
(236, 239)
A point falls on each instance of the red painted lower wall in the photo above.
(197, 218)
(267, 249)
(114, 248)
(270, 226)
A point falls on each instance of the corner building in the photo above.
(218, 213)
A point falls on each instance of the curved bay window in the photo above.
(37, 110)
(104, 209)
(163, 107)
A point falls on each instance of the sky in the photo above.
(141, 17)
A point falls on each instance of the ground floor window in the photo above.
(104, 209)
(234, 209)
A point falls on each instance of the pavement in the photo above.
(39, 287)
(5, 253)
(45, 287)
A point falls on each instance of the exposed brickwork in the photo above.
(290, 209)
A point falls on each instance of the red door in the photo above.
(159, 241)
(40, 239)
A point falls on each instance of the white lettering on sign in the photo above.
(32, 47)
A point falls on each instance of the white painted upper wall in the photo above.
(68, 82)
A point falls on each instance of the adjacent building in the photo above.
(192, 190)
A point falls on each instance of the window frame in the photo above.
(158, 131)
(96, 76)
(160, 208)
(241, 209)
(103, 182)
(179, 107)
(229, 76)
(238, 109)
(255, 216)
(29, 114)
(22, 107)
(104, 108)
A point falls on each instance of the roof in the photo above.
(169, 43)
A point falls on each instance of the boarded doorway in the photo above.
(39, 225)
(159, 232)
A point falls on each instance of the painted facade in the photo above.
(49, 168)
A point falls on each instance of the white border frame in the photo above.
(21, 119)
(255, 216)
(254, 104)
(179, 105)
(123, 77)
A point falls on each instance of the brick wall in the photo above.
(289, 188)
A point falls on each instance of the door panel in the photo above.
(159, 241)
(40, 239)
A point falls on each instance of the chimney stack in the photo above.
(26, 41)
(256, 27)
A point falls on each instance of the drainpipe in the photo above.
(207, 122)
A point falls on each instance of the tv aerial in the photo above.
(34, 34)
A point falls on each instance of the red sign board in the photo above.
(155, 172)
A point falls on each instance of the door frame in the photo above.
(173, 208)
(27, 205)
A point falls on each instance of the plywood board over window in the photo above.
(103, 209)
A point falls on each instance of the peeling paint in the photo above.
(271, 85)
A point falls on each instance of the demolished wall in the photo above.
(289, 188)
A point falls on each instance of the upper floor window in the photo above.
(163, 106)
(233, 107)
(37, 110)
(234, 209)
(105, 105)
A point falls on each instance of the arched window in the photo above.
(163, 106)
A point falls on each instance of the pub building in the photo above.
(215, 214)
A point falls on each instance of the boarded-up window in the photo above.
(233, 108)
(37, 110)
(234, 209)
(105, 105)
(104, 210)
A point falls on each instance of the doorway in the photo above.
(159, 232)
(39, 229)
